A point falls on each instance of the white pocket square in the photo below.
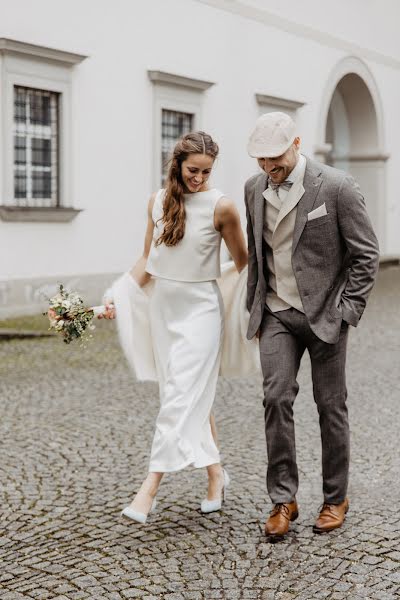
(318, 212)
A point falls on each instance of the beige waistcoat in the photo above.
(280, 218)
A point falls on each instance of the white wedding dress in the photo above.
(184, 329)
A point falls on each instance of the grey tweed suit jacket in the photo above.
(335, 257)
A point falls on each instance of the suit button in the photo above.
(298, 269)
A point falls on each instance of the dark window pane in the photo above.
(41, 152)
(20, 184)
(19, 150)
(36, 152)
(39, 108)
(174, 124)
(19, 105)
(41, 184)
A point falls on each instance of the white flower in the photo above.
(59, 325)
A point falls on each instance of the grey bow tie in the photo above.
(285, 185)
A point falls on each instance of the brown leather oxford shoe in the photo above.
(279, 520)
(331, 517)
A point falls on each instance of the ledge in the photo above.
(28, 50)
(38, 214)
(243, 9)
(365, 157)
(178, 80)
(278, 102)
(19, 334)
(389, 260)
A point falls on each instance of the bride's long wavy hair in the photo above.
(174, 214)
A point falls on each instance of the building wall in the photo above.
(112, 112)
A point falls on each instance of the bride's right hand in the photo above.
(109, 313)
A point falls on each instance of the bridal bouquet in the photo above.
(69, 316)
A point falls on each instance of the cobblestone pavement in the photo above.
(75, 435)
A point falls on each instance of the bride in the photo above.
(186, 223)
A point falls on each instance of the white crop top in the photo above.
(197, 256)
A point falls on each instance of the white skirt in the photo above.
(187, 323)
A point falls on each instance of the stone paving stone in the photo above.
(133, 593)
(76, 432)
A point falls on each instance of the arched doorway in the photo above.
(351, 135)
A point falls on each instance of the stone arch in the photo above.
(351, 133)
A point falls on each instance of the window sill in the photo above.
(38, 214)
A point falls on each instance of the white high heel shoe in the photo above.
(208, 506)
(134, 515)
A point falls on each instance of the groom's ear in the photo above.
(296, 142)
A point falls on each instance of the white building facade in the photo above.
(94, 94)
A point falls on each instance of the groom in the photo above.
(313, 259)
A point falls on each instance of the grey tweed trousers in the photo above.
(284, 336)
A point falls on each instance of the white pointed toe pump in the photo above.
(134, 515)
(208, 506)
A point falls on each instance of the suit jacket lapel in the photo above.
(259, 215)
(312, 183)
(292, 199)
(272, 198)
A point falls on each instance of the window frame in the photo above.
(175, 93)
(47, 69)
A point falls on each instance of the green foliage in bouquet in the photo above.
(68, 315)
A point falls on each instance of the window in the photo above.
(35, 147)
(177, 106)
(174, 124)
(36, 176)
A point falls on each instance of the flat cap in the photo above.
(274, 133)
